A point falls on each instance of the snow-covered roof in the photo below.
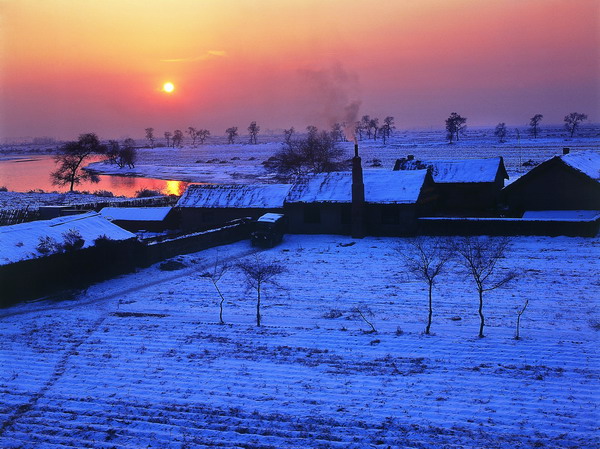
(239, 196)
(458, 171)
(587, 162)
(135, 213)
(562, 214)
(381, 187)
(270, 218)
(19, 242)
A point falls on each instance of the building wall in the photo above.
(553, 188)
(197, 219)
(469, 198)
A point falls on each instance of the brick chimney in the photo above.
(358, 197)
(566, 150)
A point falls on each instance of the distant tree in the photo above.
(316, 153)
(388, 126)
(534, 125)
(177, 138)
(253, 130)
(150, 136)
(480, 257)
(312, 131)
(455, 125)
(337, 132)
(258, 273)
(520, 313)
(112, 151)
(70, 160)
(358, 130)
(500, 132)
(365, 122)
(127, 154)
(374, 125)
(193, 134)
(287, 134)
(168, 136)
(231, 134)
(573, 120)
(202, 134)
(215, 275)
(425, 259)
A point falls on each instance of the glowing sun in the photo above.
(168, 87)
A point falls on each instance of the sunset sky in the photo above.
(74, 66)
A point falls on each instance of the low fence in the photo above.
(34, 278)
(507, 226)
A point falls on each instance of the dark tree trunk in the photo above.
(481, 318)
(429, 317)
(258, 306)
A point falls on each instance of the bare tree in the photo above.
(358, 130)
(287, 134)
(253, 130)
(500, 132)
(316, 153)
(425, 259)
(202, 134)
(337, 132)
(480, 257)
(573, 120)
(534, 125)
(455, 125)
(231, 134)
(365, 122)
(374, 125)
(168, 135)
(215, 276)
(127, 154)
(258, 273)
(177, 138)
(71, 158)
(387, 127)
(362, 311)
(193, 134)
(520, 312)
(112, 151)
(150, 136)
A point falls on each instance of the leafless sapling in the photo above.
(425, 259)
(362, 311)
(215, 275)
(480, 257)
(519, 313)
(258, 273)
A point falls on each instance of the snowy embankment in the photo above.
(140, 361)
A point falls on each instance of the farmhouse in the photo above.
(203, 206)
(322, 203)
(151, 219)
(567, 182)
(465, 187)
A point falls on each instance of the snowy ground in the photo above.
(140, 361)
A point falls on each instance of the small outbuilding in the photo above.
(567, 182)
(322, 203)
(204, 206)
(464, 187)
(151, 219)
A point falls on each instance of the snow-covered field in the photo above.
(140, 361)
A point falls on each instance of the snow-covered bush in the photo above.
(72, 240)
(48, 245)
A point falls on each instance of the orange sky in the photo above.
(73, 66)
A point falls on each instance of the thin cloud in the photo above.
(208, 55)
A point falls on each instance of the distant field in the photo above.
(140, 361)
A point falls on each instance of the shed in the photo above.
(321, 203)
(21, 241)
(465, 187)
(567, 182)
(204, 206)
(152, 219)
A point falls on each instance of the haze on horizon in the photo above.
(69, 66)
